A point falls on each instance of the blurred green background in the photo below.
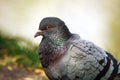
(98, 21)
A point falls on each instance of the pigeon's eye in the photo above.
(49, 27)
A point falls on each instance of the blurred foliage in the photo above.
(18, 51)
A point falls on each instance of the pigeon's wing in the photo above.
(86, 61)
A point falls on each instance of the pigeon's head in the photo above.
(51, 25)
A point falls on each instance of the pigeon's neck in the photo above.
(60, 33)
(57, 37)
(51, 52)
(53, 47)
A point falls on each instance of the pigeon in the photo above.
(67, 56)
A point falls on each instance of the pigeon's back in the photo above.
(85, 61)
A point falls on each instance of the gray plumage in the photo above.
(66, 56)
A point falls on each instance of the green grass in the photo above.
(18, 51)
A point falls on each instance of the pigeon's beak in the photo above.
(38, 33)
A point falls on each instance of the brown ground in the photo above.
(10, 73)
